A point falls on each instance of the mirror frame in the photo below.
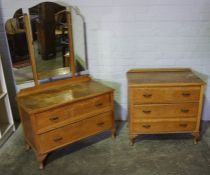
(28, 31)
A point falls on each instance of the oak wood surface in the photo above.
(73, 132)
(61, 95)
(166, 110)
(167, 127)
(164, 101)
(59, 113)
(162, 76)
(167, 94)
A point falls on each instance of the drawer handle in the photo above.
(58, 139)
(186, 94)
(54, 118)
(185, 110)
(183, 125)
(100, 124)
(147, 111)
(147, 95)
(98, 104)
(146, 126)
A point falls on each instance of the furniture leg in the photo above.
(196, 136)
(27, 146)
(41, 158)
(114, 133)
(132, 139)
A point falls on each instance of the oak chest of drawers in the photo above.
(65, 113)
(164, 101)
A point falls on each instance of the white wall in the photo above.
(123, 34)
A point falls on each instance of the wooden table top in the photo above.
(162, 76)
(57, 96)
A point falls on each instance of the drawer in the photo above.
(165, 94)
(91, 106)
(161, 127)
(74, 132)
(165, 110)
(52, 117)
(70, 113)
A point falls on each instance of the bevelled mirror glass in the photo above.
(79, 42)
(50, 39)
(17, 42)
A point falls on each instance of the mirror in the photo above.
(79, 41)
(49, 31)
(53, 37)
(17, 42)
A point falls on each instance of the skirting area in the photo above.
(103, 155)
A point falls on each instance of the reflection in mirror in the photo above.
(79, 42)
(18, 47)
(50, 39)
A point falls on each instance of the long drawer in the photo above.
(165, 110)
(161, 127)
(165, 94)
(71, 112)
(73, 132)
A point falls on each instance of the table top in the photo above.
(62, 95)
(164, 76)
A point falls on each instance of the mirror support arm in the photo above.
(31, 50)
(71, 47)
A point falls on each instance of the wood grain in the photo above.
(164, 101)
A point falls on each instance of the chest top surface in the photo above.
(163, 76)
(52, 97)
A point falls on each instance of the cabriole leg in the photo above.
(196, 136)
(41, 158)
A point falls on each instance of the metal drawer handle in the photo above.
(146, 111)
(147, 95)
(98, 104)
(54, 118)
(185, 110)
(186, 94)
(100, 124)
(146, 126)
(58, 139)
(183, 125)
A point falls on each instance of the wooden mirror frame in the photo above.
(29, 37)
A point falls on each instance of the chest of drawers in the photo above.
(67, 112)
(164, 101)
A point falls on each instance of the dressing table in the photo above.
(62, 110)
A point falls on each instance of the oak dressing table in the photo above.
(57, 113)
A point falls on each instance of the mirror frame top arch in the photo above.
(72, 70)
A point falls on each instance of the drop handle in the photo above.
(58, 139)
(100, 123)
(185, 110)
(147, 95)
(146, 126)
(99, 104)
(184, 125)
(186, 94)
(54, 118)
(146, 111)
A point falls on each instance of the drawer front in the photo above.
(91, 106)
(161, 127)
(165, 94)
(52, 117)
(71, 112)
(165, 110)
(74, 132)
